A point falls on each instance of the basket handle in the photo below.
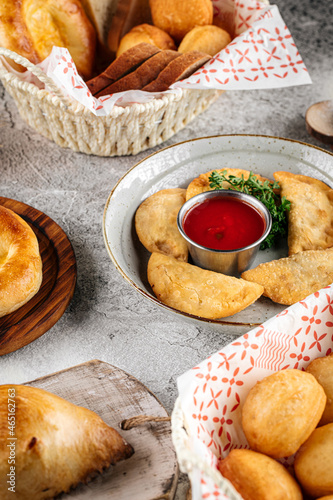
(42, 77)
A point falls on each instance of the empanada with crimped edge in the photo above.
(156, 223)
(201, 184)
(57, 445)
(197, 291)
(310, 220)
(289, 280)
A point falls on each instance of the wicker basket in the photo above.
(127, 130)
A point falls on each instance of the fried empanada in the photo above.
(322, 370)
(314, 462)
(56, 444)
(156, 223)
(258, 477)
(281, 411)
(289, 280)
(196, 291)
(310, 220)
(201, 184)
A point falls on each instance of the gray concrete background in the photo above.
(107, 319)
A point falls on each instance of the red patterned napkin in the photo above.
(213, 392)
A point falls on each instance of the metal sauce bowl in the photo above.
(230, 262)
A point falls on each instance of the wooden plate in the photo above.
(59, 277)
(152, 472)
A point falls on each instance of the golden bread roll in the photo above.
(209, 39)
(148, 34)
(20, 262)
(124, 64)
(314, 462)
(176, 70)
(57, 445)
(326, 497)
(322, 370)
(197, 291)
(281, 411)
(32, 27)
(143, 75)
(178, 17)
(156, 223)
(258, 477)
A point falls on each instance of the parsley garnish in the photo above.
(264, 191)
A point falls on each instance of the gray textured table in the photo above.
(107, 319)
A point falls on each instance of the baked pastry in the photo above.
(20, 262)
(178, 17)
(291, 279)
(314, 462)
(201, 183)
(145, 73)
(281, 411)
(156, 223)
(197, 291)
(124, 64)
(322, 370)
(32, 27)
(209, 39)
(148, 34)
(258, 477)
(180, 68)
(310, 225)
(57, 445)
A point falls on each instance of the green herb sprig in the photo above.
(264, 191)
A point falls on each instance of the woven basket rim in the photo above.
(74, 107)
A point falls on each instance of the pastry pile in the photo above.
(190, 289)
(286, 413)
(179, 41)
(20, 262)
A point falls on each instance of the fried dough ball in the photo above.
(322, 370)
(258, 477)
(281, 411)
(314, 462)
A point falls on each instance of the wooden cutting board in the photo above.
(152, 472)
(38, 315)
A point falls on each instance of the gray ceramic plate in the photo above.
(176, 166)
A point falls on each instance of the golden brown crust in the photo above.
(314, 462)
(144, 74)
(176, 70)
(196, 291)
(20, 262)
(310, 225)
(156, 223)
(178, 18)
(281, 411)
(322, 370)
(291, 279)
(148, 34)
(201, 183)
(32, 27)
(209, 39)
(123, 65)
(58, 444)
(258, 477)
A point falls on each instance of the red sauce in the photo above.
(223, 223)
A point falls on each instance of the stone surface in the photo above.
(107, 318)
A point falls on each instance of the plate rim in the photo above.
(130, 281)
(60, 302)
